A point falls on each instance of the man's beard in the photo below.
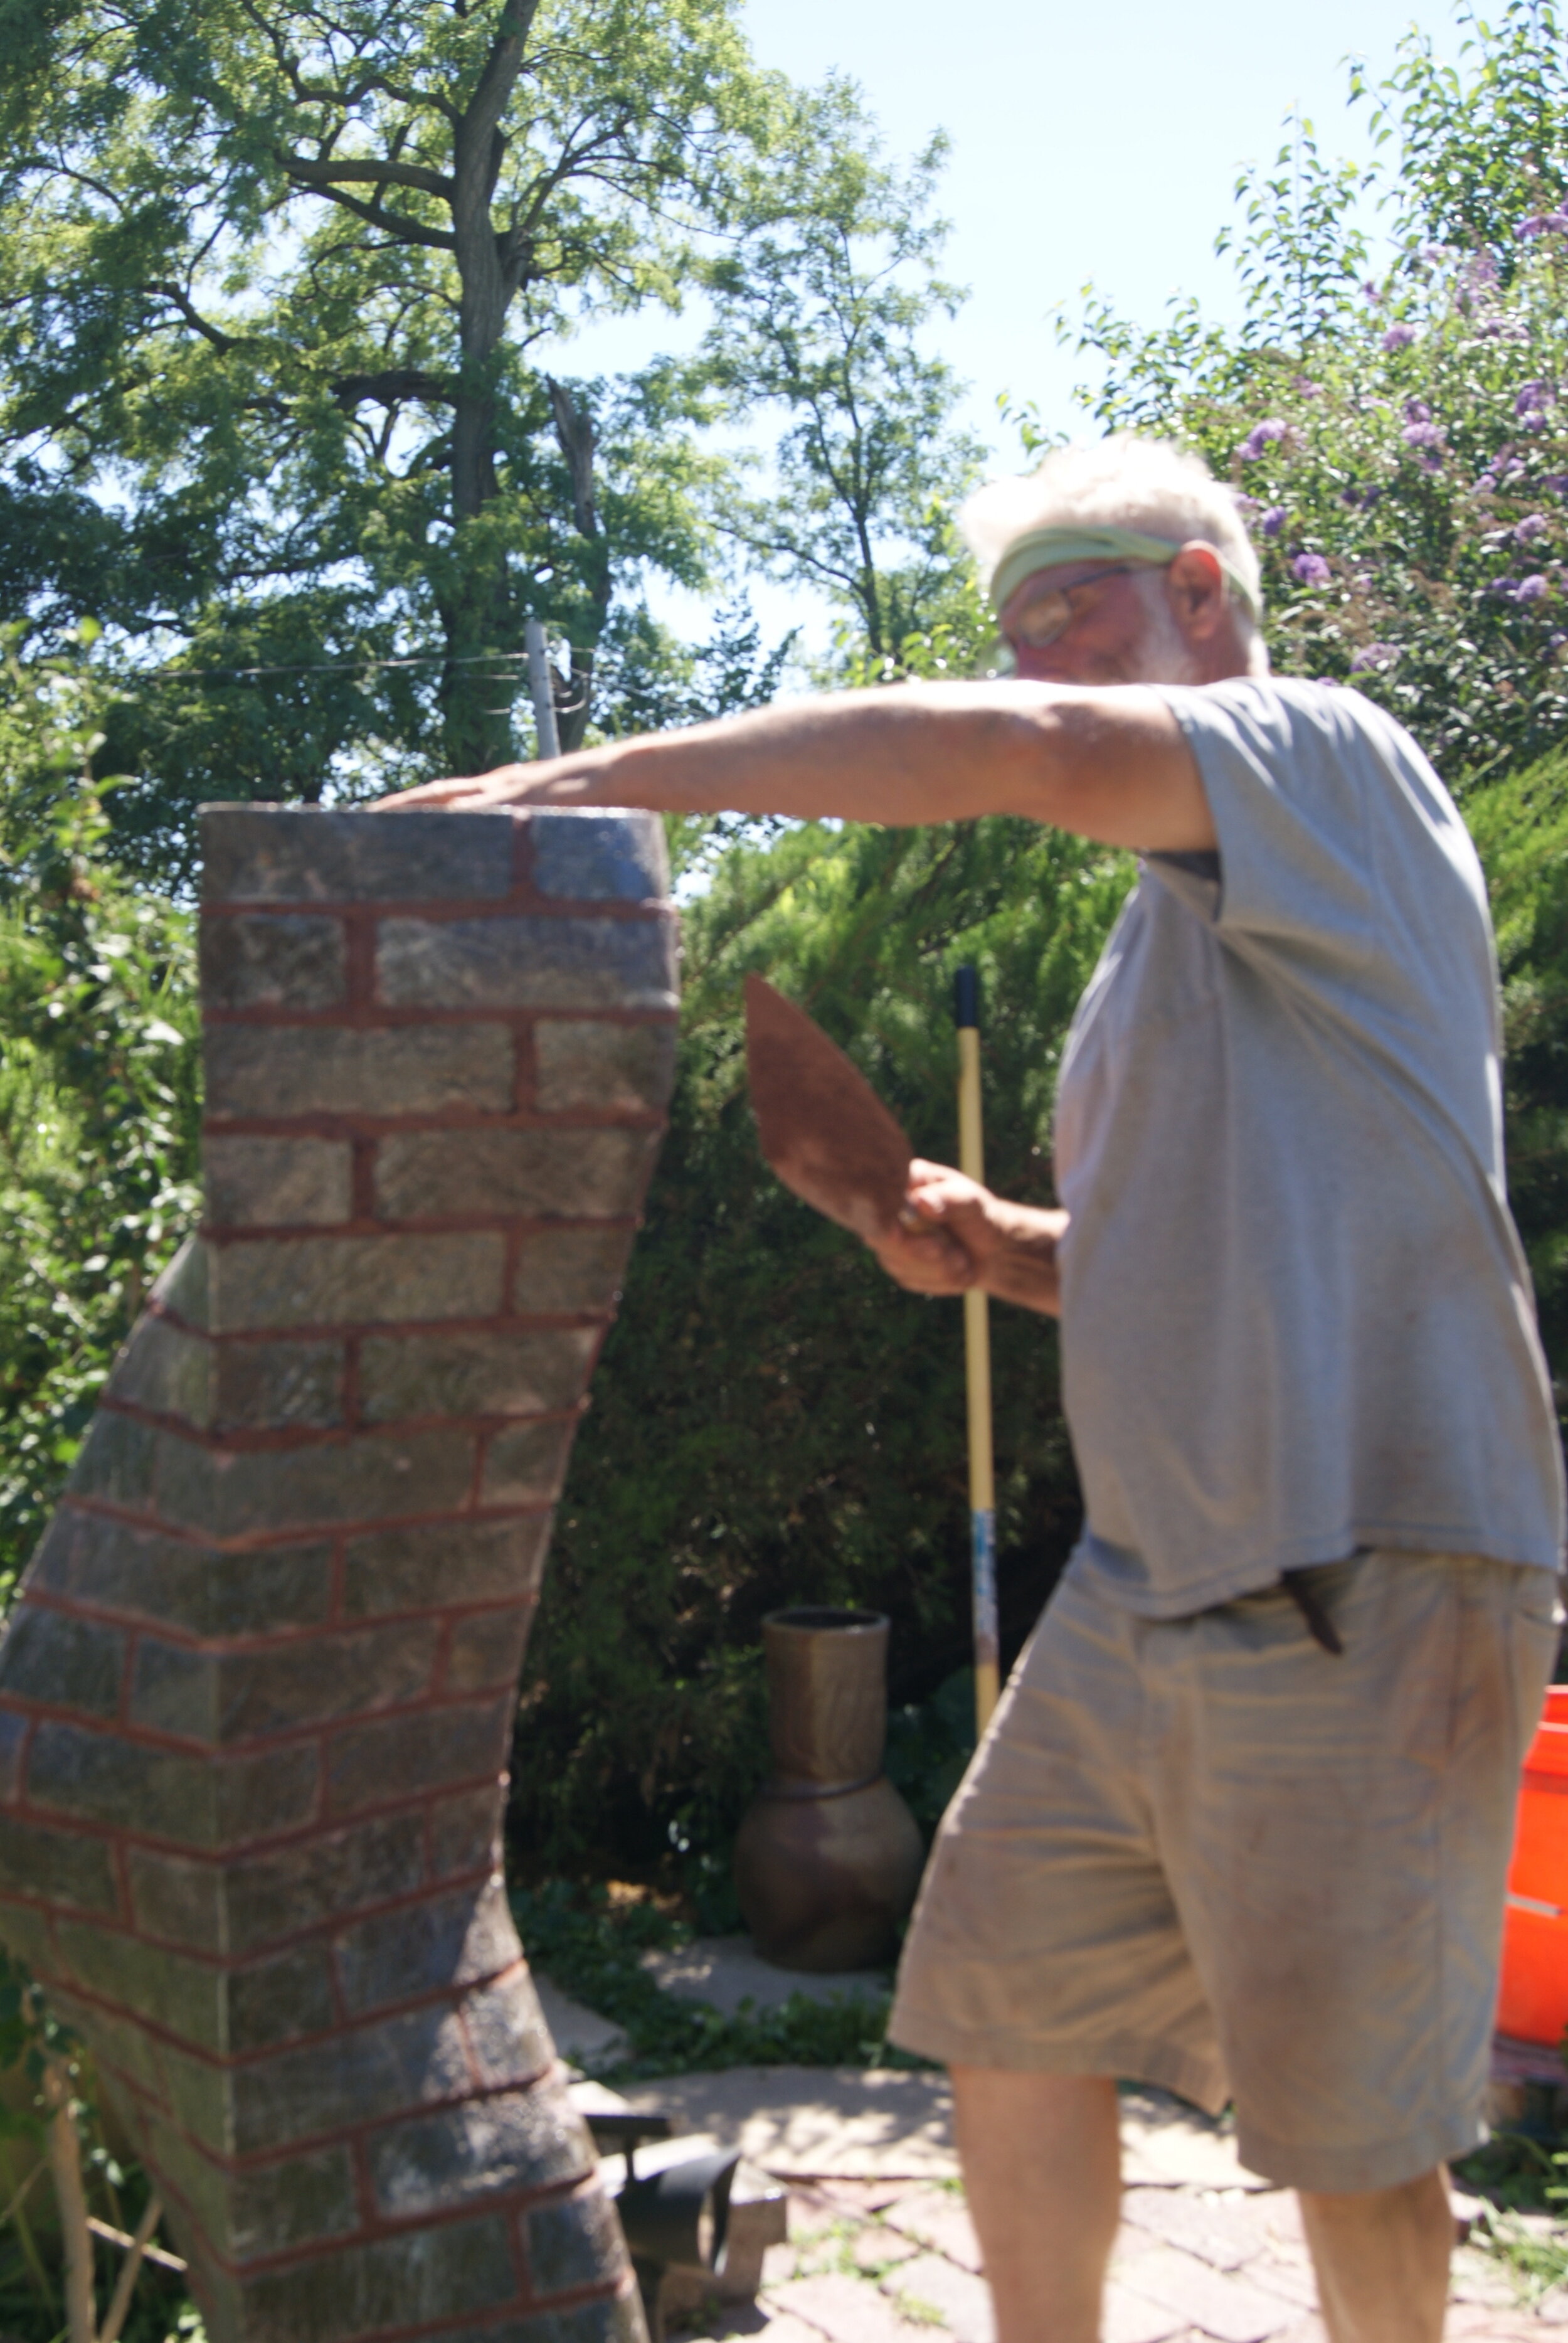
(1163, 655)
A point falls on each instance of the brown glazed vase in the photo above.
(829, 1857)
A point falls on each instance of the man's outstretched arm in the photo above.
(1107, 764)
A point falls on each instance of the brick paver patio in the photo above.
(893, 2262)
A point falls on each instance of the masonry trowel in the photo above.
(822, 1127)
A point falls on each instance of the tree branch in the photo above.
(394, 384)
(221, 342)
(120, 2301)
(367, 171)
(398, 224)
(574, 430)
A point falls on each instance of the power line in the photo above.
(324, 667)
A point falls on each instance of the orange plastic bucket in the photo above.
(1533, 2003)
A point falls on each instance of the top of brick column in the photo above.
(302, 854)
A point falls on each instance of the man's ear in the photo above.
(1196, 584)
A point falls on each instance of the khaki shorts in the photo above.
(1207, 1854)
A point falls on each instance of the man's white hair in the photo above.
(1123, 481)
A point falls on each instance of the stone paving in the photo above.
(896, 2262)
(882, 2248)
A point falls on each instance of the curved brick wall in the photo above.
(257, 1694)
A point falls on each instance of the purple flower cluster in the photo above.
(1373, 654)
(1311, 569)
(1534, 525)
(1423, 434)
(1273, 520)
(1399, 338)
(1542, 224)
(1521, 589)
(1273, 427)
(1530, 403)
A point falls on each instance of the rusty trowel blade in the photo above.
(823, 1129)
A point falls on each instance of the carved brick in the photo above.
(474, 1374)
(313, 1280)
(278, 1182)
(278, 963)
(613, 1069)
(275, 1071)
(257, 1693)
(296, 854)
(525, 1172)
(527, 964)
(596, 858)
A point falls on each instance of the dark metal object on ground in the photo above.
(615, 2133)
(822, 1127)
(829, 1857)
(697, 2228)
(677, 2217)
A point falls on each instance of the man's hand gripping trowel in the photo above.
(829, 1137)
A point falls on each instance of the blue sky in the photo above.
(1100, 141)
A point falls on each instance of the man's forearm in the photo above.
(1110, 764)
(915, 753)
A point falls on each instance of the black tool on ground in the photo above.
(674, 2219)
(621, 2133)
(677, 2217)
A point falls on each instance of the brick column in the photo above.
(256, 1695)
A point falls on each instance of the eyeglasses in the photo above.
(1040, 622)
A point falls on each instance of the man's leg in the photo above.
(1381, 2261)
(1042, 2170)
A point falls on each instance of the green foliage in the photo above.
(648, 681)
(819, 301)
(1521, 828)
(589, 1946)
(773, 1421)
(33, 2041)
(1523, 2183)
(271, 398)
(1402, 445)
(276, 273)
(929, 1744)
(97, 1089)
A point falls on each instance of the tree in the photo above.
(277, 270)
(99, 1075)
(1400, 440)
(821, 301)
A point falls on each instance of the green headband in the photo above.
(1052, 548)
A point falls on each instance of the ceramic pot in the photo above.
(829, 1857)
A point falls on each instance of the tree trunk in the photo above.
(478, 613)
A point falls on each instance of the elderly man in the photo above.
(1241, 1823)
